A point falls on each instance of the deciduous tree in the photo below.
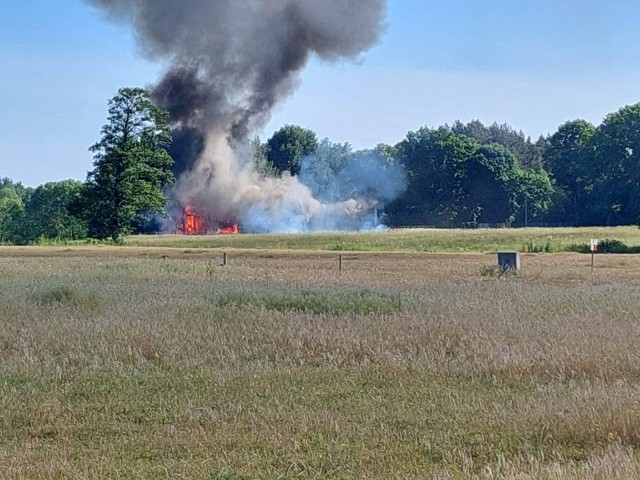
(131, 165)
(53, 211)
(570, 158)
(434, 161)
(11, 215)
(288, 146)
(617, 166)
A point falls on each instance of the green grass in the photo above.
(411, 240)
(317, 301)
(69, 296)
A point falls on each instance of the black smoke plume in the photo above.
(231, 61)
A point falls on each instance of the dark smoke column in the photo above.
(233, 60)
(230, 62)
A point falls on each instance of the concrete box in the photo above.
(509, 261)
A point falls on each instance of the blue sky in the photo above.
(531, 63)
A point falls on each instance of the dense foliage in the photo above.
(52, 210)
(462, 175)
(288, 146)
(131, 165)
(472, 174)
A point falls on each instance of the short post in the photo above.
(224, 259)
(340, 264)
(593, 246)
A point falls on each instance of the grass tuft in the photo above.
(489, 270)
(69, 297)
(547, 247)
(223, 475)
(316, 301)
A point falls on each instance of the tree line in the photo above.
(126, 186)
(460, 175)
(473, 174)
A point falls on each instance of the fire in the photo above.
(194, 223)
(228, 229)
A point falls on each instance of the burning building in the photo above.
(192, 223)
(197, 222)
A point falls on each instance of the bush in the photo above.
(605, 246)
(577, 248)
(616, 246)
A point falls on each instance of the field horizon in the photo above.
(414, 240)
(428, 240)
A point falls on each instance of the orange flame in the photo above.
(193, 224)
(229, 229)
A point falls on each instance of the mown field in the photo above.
(528, 240)
(158, 363)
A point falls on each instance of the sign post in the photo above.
(593, 246)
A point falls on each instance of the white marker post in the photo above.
(593, 246)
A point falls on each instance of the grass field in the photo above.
(409, 240)
(156, 362)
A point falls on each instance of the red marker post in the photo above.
(593, 246)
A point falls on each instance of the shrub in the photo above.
(616, 246)
(577, 248)
(604, 246)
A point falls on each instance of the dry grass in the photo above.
(124, 364)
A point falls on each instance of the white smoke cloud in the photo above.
(233, 189)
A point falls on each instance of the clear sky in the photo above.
(531, 63)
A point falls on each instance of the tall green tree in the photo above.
(22, 191)
(131, 165)
(570, 158)
(288, 146)
(11, 215)
(533, 194)
(455, 181)
(528, 153)
(319, 172)
(435, 163)
(258, 152)
(490, 186)
(617, 152)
